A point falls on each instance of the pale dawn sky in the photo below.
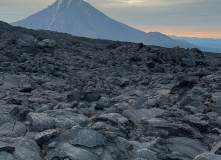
(192, 18)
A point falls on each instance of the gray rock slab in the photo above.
(40, 121)
(67, 119)
(186, 147)
(26, 149)
(4, 118)
(208, 156)
(6, 156)
(145, 154)
(47, 135)
(196, 121)
(86, 137)
(216, 97)
(114, 117)
(136, 116)
(12, 129)
(71, 152)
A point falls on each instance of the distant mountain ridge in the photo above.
(154, 38)
(206, 42)
(79, 18)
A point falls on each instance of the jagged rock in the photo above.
(103, 102)
(75, 95)
(113, 117)
(4, 147)
(208, 156)
(141, 102)
(216, 97)
(45, 108)
(105, 126)
(66, 105)
(196, 120)
(6, 156)
(5, 59)
(67, 119)
(214, 63)
(92, 97)
(47, 135)
(188, 62)
(152, 102)
(26, 149)
(114, 152)
(12, 129)
(185, 148)
(145, 154)
(98, 107)
(85, 137)
(1, 80)
(186, 101)
(46, 43)
(29, 39)
(162, 128)
(71, 152)
(150, 64)
(113, 45)
(137, 116)
(40, 121)
(19, 113)
(4, 118)
(2, 95)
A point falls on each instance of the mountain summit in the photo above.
(81, 19)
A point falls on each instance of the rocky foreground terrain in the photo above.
(69, 98)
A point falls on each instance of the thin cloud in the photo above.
(146, 3)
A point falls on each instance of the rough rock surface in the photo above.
(65, 98)
(85, 137)
(208, 156)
